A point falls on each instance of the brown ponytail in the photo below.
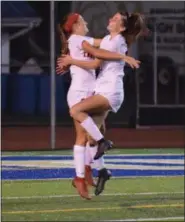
(63, 38)
(134, 25)
(65, 30)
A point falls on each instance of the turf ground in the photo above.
(147, 185)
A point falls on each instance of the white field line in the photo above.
(122, 177)
(148, 219)
(75, 195)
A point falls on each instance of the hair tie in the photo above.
(71, 20)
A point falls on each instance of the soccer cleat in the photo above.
(89, 177)
(103, 176)
(103, 146)
(80, 185)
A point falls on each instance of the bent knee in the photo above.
(73, 112)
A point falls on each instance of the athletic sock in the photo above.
(79, 160)
(89, 125)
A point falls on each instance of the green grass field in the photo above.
(144, 199)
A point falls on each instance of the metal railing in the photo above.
(174, 60)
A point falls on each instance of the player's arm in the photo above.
(101, 53)
(107, 55)
(97, 53)
(68, 60)
(94, 64)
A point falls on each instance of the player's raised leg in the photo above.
(103, 174)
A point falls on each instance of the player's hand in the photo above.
(63, 70)
(65, 60)
(133, 63)
(59, 70)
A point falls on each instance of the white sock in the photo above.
(79, 160)
(99, 163)
(88, 156)
(89, 125)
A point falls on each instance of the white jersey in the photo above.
(110, 78)
(82, 79)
